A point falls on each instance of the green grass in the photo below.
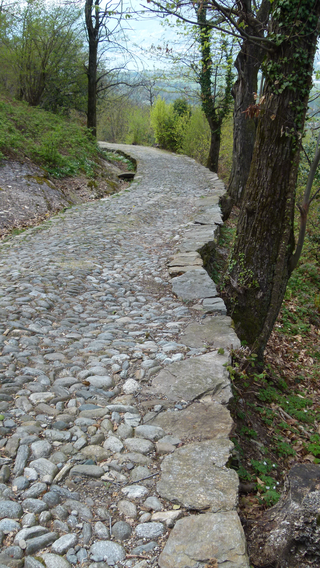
(61, 146)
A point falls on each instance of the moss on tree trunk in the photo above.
(259, 267)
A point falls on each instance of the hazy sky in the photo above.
(145, 30)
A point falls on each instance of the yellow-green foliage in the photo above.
(162, 120)
(196, 140)
(168, 126)
(140, 131)
(225, 158)
(190, 134)
(113, 120)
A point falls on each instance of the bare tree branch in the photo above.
(227, 15)
(304, 208)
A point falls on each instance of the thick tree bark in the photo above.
(259, 267)
(244, 130)
(287, 535)
(248, 63)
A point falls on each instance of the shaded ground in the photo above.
(276, 410)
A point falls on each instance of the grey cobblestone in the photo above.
(88, 323)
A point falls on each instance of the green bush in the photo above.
(140, 131)
(168, 125)
(162, 119)
(196, 139)
(181, 107)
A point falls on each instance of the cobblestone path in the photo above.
(104, 462)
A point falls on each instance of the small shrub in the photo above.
(140, 131)
(169, 126)
(196, 140)
(181, 107)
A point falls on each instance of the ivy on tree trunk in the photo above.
(214, 107)
(260, 263)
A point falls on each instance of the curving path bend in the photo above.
(114, 431)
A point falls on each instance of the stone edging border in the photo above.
(214, 537)
(195, 475)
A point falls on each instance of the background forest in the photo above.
(44, 62)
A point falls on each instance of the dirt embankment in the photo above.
(28, 195)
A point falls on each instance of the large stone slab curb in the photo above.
(186, 259)
(213, 488)
(179, 270)
(204, 419)
(204, 540)
(184, 262)
(195, 284)
(214, 331)
(193, 378)
(209, 215)
(192, 475)
(203, 236)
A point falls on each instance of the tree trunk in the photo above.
(259, 267)
(215, 139)
(248, 63)
(92, 25)
(288, 533)
(92, 87)
(244, 130)
(214, 110)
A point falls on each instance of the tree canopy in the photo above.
(42, 52)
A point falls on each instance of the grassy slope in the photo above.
(62, 146)
(68, 159)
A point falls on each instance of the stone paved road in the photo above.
(88, 324)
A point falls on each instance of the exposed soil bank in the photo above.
(28, 195)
